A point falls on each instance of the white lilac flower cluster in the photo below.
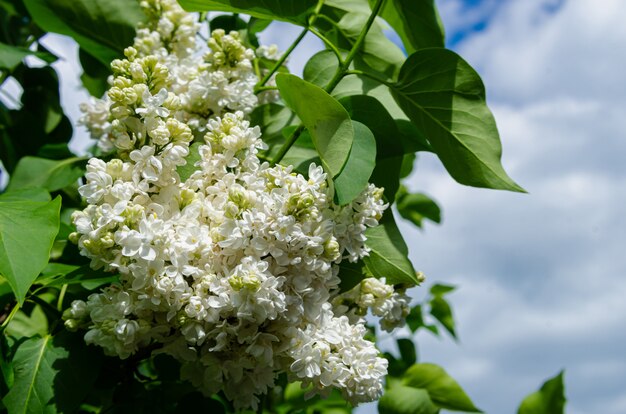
(391, 305)
(234, 270)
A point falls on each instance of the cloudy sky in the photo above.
(541, 277)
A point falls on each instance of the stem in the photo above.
(369, 75)
(61, 297)
(44, 304)
(327, 42)
(257, 71)
(341, 71)
(9, 317)
(290, 141)
(282, 59)
(266, 88)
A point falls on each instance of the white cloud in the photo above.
(541, 276)
(529, 50)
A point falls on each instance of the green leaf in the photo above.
(327, 121)
(27, 231)
(52, 375)
(185, 171)
(294, 11)
(6, 293)
(407, 350)
(445, 98)
(443, 390)
(378, 51)
(440, 310)
(26, 194)
(415, 321)
(320, 68)
(389, 254)
(550, 399)
(34, 377)
(272, 118)
(408, 162)
(357, 6)
(52, 271)
(49, 174)
(417, 23)
(95, 74)
(439, 289)
(40, 100)
(253, 28)
(228, 23)
(416, 207)
(354, 177)
(26, 325)
(6, 366)
(103, 28)
(301, 158)
(412, 138)
(351, 274)
(11, 56)
(369, 111)
(389, 149)
(58, 274)
(40, 124)
(400, 399)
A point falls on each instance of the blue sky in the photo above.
(541, 277)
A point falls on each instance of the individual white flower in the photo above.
(152, 105)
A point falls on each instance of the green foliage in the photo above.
(52, 374)
(27, 231)
(48, 174)
(436, 309)
(400, 399)
(39, 127)
(440, 308)
(59, 274)
(103, 28)
(273, 119)
(28, 322)
(95, 74)
(294, 11)
(185, 171)
(355, 175)
(389, 149)
(388, 257)
(327, 121)
(351, 274)
(12, 56)
(417, 207)
(228, 23)
(417, 23)
(443, 391)
(550, 399)
(377, 52)
(444, 97)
